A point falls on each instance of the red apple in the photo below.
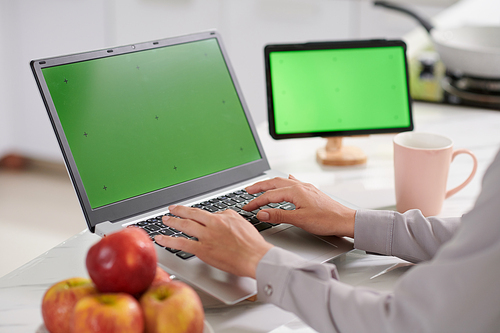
(123, 262)
(172, 307)
(160, 277)
(107, 313)
(60, 299)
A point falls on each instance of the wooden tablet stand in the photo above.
(336, 154)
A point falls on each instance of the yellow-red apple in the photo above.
(107, 313)
(60, 299)
(160, 277)
(123, 262)
(172, 307)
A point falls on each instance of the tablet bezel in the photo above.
(325, 46)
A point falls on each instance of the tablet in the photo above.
(339, 88)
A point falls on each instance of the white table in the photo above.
(368, 186)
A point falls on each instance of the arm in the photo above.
(409, 236)
(330, 306)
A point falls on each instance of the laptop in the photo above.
(157, 123)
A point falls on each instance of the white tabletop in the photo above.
(367, 186)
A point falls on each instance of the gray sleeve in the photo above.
(409, 236)
(452, 292)
(296, 285)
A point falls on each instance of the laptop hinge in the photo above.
(106, 228)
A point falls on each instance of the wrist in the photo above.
(256, 258)
(348, 220)
(352, 221)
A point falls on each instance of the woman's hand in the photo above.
(229, 242)
(314, 211)
(225, 240)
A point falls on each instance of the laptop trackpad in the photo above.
(308, 246)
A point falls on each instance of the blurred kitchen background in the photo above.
(38, 208)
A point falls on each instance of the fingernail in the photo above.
(263, 216)
(158, 238)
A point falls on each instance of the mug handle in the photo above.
(449, 193)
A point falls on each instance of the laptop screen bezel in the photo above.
(159, 198)
(331, 45)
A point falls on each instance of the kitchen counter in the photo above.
(367, 186)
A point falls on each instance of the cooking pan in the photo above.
(468, 50)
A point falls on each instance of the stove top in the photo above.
(430, 81)
(459, 89)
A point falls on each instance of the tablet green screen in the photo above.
(331, 90)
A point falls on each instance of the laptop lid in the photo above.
(145, 125)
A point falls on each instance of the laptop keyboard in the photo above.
(234, 200)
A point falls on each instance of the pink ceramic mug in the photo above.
(421, 164)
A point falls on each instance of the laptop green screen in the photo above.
(338, 90)
(143, 121)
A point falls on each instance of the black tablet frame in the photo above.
(325, 46)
